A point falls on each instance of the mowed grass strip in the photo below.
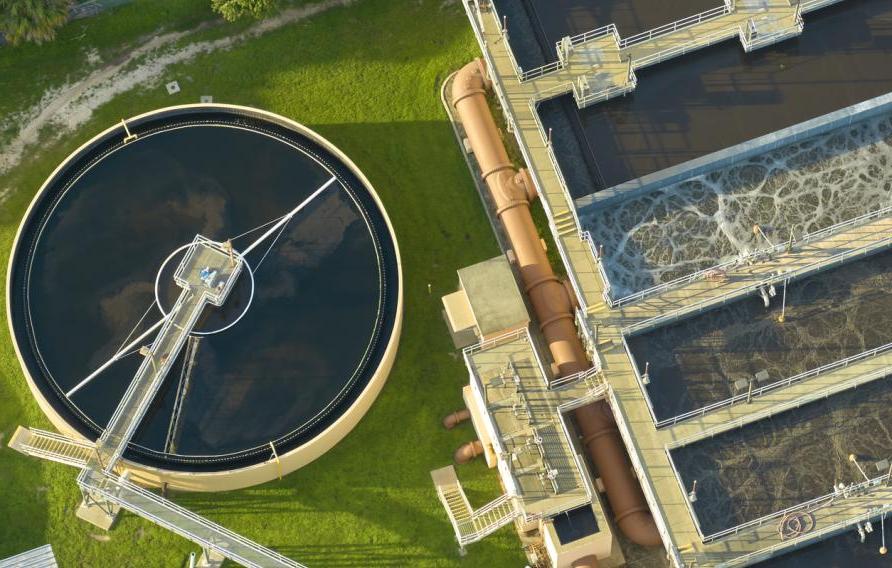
(366, 77)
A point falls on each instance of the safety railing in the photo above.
(824, 500)
(586, 376)
(584, 473)
(142, 388)
(810, 5)
(607, 288)
(56, 447)
(501, 25)
(596, 391)
(589, 339)
(755, 393)
(694, 44)
(585, 99)
(493, 341)
(710, 303)
(642, 383)
(751, 257)
(565, 193)
(597, 33)
(565, 190)
(181, 521)
(813, 536)
(646, 484)
(675, 26)
(541, 70)
(779, 408)
(752, 38)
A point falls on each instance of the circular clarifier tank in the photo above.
(261, 384)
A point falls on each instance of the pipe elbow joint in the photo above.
(511, 186)
(470, 80)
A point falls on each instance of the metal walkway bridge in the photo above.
(597, 66)
(206, 274)
(109, 491)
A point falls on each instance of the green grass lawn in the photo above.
(366, 77)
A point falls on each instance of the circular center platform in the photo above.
(306, 334)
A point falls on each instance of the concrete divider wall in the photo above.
(739, 152)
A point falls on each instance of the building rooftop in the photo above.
(493, 296)
(544, 467)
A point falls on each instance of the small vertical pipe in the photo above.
(784, 303)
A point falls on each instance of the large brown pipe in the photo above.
(456, 418)
(467, 452)
(512, 192)
(590, 561)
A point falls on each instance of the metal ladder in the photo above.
(53, 447)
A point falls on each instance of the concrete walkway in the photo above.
(604, 63)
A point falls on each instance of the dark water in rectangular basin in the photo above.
(829, 316)
(714, 98)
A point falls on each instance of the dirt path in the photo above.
(67, 107)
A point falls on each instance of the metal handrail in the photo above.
(752, 256)
(596, 33)
(181, 300)
(698, 43)
(578, 376)
(541, 70)
(675, 26)
(778, 409)
(565, 190)
(87, 482)
(60, 438)
(499, 339)
(782, 383)
(584, 100)
(594, 393)
(710, 303)
(838, 526)
(646, 483)
(809, 5)
(830, 497)
(503, 32)
(607, 287)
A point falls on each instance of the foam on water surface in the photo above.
(691, 225)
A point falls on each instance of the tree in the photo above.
(232, 10)
(32, 20)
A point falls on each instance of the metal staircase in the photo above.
(565, 223)
(105, 488)
(52, 446)
(471, 526)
